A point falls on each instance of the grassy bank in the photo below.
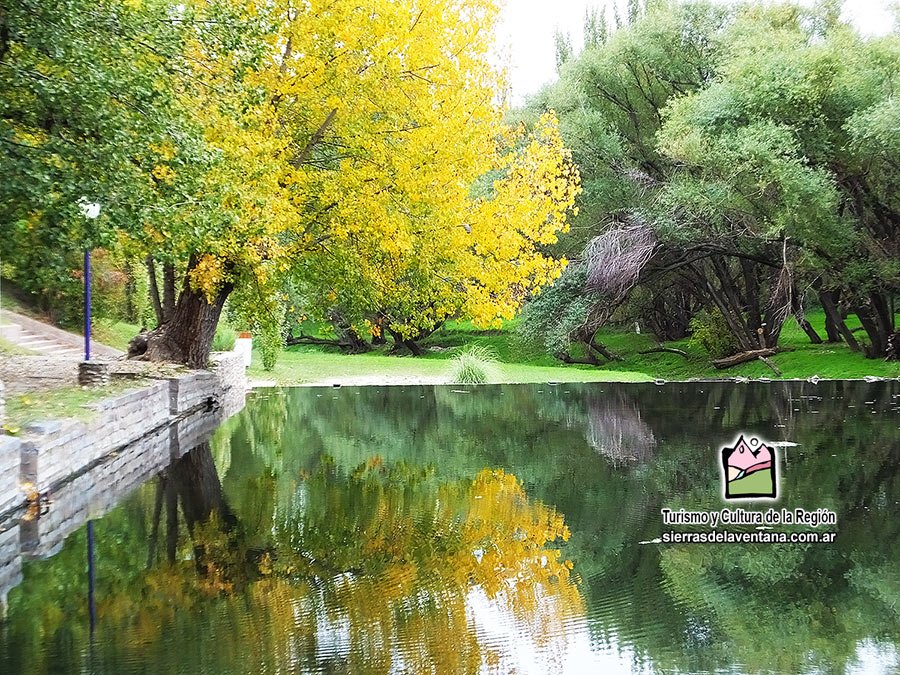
(62, 403)
(519, 362)
(308, 365)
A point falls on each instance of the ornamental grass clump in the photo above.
(474, 365)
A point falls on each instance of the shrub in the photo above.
(474, 365)
(270, 346)
(224, 339)
(710, 331)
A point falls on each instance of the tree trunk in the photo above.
(875, 329)
(413, 347)
(130, 293)
(833, 314)
(743, 357)
(664, 350)
(348, 339)
(410, 344)
(187, 337)
(723, 298)
(154, 290)
(201, 496)
(589, 360)
(601, 349)
(831, 329)
(200, 490)
(168, 291)
(808, 329)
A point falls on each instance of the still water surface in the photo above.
(495, 529)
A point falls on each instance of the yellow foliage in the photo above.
(369, 158)
(207, 275)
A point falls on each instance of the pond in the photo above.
(489, 529)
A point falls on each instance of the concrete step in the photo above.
(10, 331)
(37, 342)
(40, 344)
(62, 342)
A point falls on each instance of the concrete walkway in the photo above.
(46, 340)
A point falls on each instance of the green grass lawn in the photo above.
(522, 363)
(828, 361)
(115, 334)
(306, 365)
(63, 403)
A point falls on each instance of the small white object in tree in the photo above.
(90, 210)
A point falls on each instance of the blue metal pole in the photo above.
(87, 304)
(92, 609)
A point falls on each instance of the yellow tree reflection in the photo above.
(379, 570)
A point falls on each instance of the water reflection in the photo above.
(616, 430)
(499, 530)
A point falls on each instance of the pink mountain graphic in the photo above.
(749, 470)
(744, 456)
(747, 458)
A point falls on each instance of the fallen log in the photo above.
(667, 350)
(589, 360)
(743, 357)
(768, 362)
(307, 340)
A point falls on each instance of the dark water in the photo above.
(500, 529)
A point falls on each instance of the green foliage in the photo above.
(270, 345)
(83, 99)
(224, 339)
(138, 307)
(474, 365)
(266, 315)
(563, 45)
(522, 362)
(108, 286)
(757, 137)
(558, 313)
(710, 331)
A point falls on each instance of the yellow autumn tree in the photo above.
(425, 204)
(358, 150)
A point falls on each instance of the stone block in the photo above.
(11, 495)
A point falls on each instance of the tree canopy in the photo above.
(358, 154)
(751, 142)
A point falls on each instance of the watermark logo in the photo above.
(749, 470)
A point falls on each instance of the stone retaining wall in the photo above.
(10, 563)
(21, 374)
(232, 375)
(49, 453)
(91, 494)
(10, 463)
(94, 493)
